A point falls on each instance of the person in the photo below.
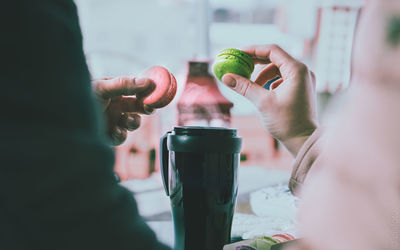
(57, 186)
(347, 173)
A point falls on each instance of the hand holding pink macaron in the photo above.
(125, 98)
(165, 87)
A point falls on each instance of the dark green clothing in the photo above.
(57, 188)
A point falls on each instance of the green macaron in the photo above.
(233, 61)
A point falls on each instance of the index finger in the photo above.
(121, 86)
(272, 54)
(132, 104)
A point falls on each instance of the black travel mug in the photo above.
(199, 168)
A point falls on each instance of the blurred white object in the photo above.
(252, 178)
(275, 202)
(249, 226)
(275, 212)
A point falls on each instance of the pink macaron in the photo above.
(165, 87)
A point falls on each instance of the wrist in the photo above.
(293, 144)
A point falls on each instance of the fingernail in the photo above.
(230, 81)
(142, 81)
(148, 110)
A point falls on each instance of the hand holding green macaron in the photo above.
(287, 108)
(233, 61)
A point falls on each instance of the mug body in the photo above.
(202, 185)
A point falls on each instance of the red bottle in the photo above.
(201, 103)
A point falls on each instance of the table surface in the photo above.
(252, 214)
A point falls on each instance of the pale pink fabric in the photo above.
(351, 191)
(351, 196)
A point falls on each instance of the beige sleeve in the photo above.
(304, 161)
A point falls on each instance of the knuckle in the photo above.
(301, 69)
(274, 46)
(242, 87)
(136, 119)
(312, 75)
(313, 78)
(122, 136)
(123, 82)
(249, 88)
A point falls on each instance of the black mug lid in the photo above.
(204, 140)
(197, 130)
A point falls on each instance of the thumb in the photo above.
(255, 93)
(121, 86)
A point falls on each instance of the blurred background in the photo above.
(124, 37)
